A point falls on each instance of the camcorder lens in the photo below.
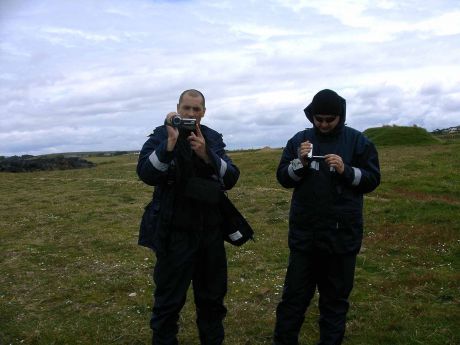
(176, 121)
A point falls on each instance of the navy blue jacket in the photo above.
(154, 166)
(326, 207)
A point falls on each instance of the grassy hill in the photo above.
(71, 271)
(400, 135)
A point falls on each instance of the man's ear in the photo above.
(177, 107)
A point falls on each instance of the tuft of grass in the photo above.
(71, 271)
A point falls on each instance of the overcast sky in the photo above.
(100, 75)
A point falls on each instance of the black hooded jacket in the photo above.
(326, 207)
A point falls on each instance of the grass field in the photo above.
(71, 271)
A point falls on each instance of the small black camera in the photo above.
(312, 157)
(181, 123)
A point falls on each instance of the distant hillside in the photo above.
(451, 133)
(90, 154)
(449, 130)
(396, 135)
(28, 163)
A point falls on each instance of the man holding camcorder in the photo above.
(187, 164)
(330, 167)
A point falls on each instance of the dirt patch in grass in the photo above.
(420, 196)
(397, 235)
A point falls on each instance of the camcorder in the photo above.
(182, 124)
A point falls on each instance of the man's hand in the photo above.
(335, 162)
(173, 133)
(198, 144)
(304, 150)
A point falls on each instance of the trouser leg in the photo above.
(299, 288)
(172, 276)
(335, 283)
(210, 288)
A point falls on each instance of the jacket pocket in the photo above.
(348, 233)
(203, 189)
(305, 218)
(149, 225)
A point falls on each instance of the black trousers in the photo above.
(200, 258)
(333, 274)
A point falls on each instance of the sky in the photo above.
(101, 75)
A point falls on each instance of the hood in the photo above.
(309, 114)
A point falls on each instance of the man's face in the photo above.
(326, 123)
(191, 107)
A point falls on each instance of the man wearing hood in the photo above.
(330, 167)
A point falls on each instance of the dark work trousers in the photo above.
(333, 274)
(198, 257)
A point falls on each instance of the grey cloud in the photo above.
(122, 66)
(451, 104)
(430, 90)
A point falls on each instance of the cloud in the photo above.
(442, 25)
(54, 34)
(99, 75)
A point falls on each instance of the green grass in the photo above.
(71, 271)
(400, 135)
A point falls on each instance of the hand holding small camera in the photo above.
(335, 162)
(304, 152)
